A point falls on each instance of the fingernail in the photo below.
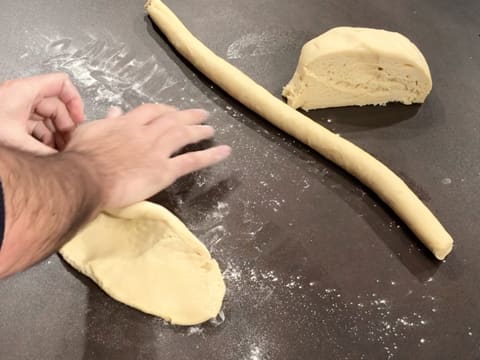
(203, 112)
(223, 151)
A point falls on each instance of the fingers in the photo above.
(139, 146)
(190, 117)
(61, 140)
(56, 110)
(180, 128)
(27, 143)
(180, 136)
(193, 161)
(55, 123)
(30, 144)
(56, 85)
(146, 113)
(43, 134)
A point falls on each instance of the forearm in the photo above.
(46, 200)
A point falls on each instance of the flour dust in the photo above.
(106, 71)
(259, 44)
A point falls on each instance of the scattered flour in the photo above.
(218, 320)
(105, 70)
(259, 44)
(255, 353)
(194, 330)
(446, 181)
(109, 74)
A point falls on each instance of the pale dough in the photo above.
(145, 257)
(358, 66)
(388, 186)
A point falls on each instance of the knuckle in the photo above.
(58, 75)
(62, 76)
(145, 107)
(168, 122)
(190, 162)
(162, 127)
(167, 108)
(180, 130)
(178, 134)
(9, 84)
(156, 108)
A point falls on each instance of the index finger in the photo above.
(57, 85)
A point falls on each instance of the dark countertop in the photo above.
(316, 266)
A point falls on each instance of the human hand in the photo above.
(38, 113)
(132, 155)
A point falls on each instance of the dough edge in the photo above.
(153, 212)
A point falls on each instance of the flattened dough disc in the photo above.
(145, 257)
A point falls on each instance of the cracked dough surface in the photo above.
(145, 257)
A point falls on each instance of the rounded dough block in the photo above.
(358, 66)
(145, 257)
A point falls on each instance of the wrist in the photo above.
(88, 179)
(47, 200)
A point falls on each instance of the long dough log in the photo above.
(379, 178)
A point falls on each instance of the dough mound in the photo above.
(358, 66)
(145, 257)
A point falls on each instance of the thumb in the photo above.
(28, 144)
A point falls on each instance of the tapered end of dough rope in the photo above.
(442, 251)
(149, 2)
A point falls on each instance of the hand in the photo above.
(131, 155)
(38, 113)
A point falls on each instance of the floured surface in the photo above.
(143, 256)
(275, 210)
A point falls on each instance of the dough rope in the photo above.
(371, 172)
